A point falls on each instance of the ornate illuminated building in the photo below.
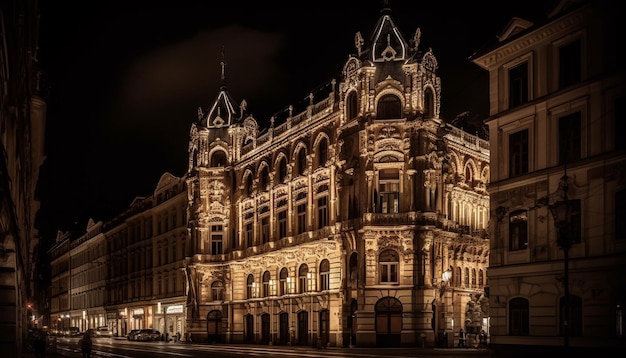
(358, 219)
(558, 187)
(335, 225)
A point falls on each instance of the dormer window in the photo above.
(389, 107)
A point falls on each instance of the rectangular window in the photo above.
(570, 64)
(389, 191)
(518, 85)
(282, 224)
(518, 153)
(325, 280)
(216, 244)
(322, 212)
(301, 218)
(389, 272)
(249, 235)
(569, 138)
(265, 229)
(518, 230)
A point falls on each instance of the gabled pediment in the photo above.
(515, 26)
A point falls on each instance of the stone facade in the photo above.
(557, 92)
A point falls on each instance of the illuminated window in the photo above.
(250, 286)
(284, 274)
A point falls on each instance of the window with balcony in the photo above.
(301, 212)
(388, 191)
(216, 240)
(518, 85)
(389, 266)
(518, 230)
(518, 153)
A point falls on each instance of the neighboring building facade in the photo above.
(128, 272)
(557, 95)
(359, 219)
(22, 133)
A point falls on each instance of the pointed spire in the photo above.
(223, 65)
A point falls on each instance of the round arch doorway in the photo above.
(388, 322)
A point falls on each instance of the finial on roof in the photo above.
(223, 65)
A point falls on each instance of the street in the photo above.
(121, 348)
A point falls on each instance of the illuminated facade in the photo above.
(557, 95)
(335, 225)
(358, 219)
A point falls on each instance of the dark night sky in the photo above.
(127, 77)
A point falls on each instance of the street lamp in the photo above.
(441, 308)
(562, 212)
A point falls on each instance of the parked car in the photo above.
(103, 331)
(149, 335)
(132, 335)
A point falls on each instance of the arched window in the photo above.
(249, 185)
(466, 279)
(282, 170)
(301, 161)
(352, 107)
(389, 107)
(388, 263)
(429, 103)
(218, 159)
(264, 179)
(518, 317)
(250, 286)
(303, 279)
(284, 281)
(324, 275)
(266, 283)
(322, 152)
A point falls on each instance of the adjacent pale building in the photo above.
(556, 127)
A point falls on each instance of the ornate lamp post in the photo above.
(562, 212)
(441, 314)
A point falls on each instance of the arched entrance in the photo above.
(214, 326)
(388, 322)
